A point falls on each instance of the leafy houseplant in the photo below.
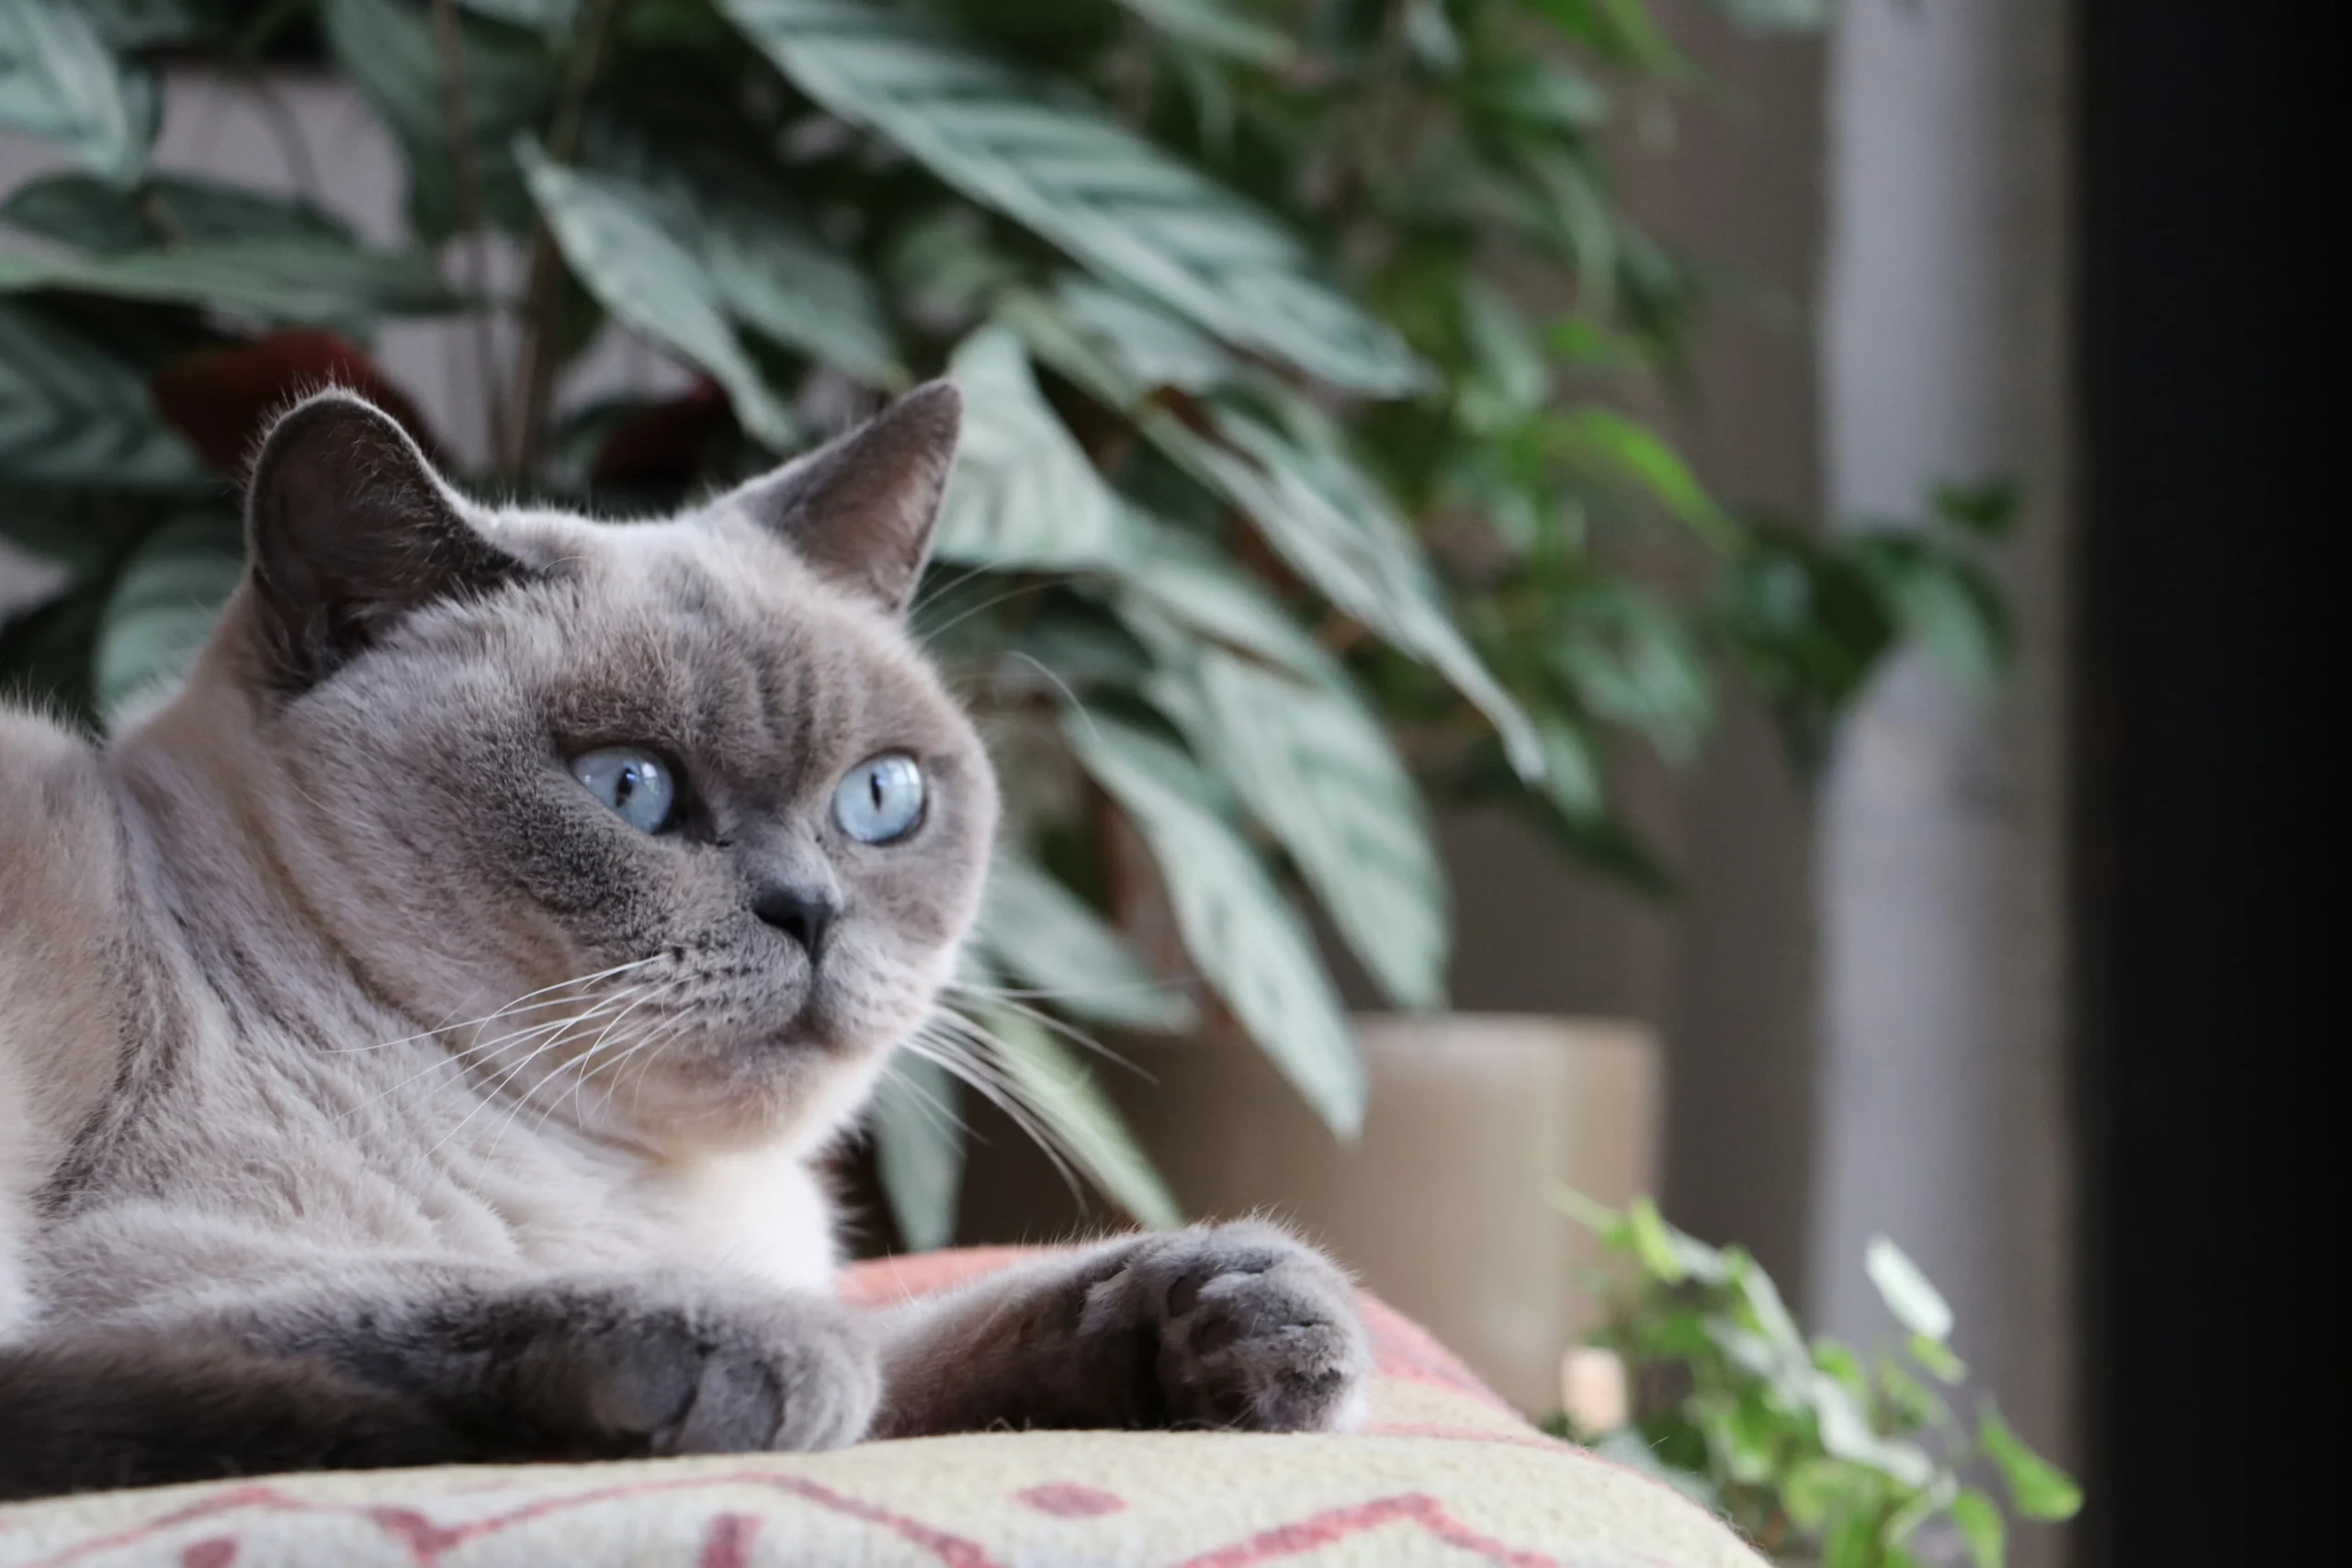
(1821, 1455)
(1271, 498)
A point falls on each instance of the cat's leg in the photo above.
(426, 1366)
(591, 1368)
(1238, 1327)
(98, 1409)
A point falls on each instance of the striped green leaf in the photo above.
(88, 214)
(918, 1148)
(1251, 944)
(72, 414)
(1216, 26)
(775, 279)
(549, 16)
(59, 82)
(387, 51)
(142, 24)
(163, 608)
(1057, 164)
(1041, 933)
(1295, 482)
(1170, 576)
(1023, 495)
(1072, 1110)
(618, 236)
(301, 279)
(1313, 765)
(1339, 531)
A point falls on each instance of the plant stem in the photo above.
(543, 300)
(466, 176)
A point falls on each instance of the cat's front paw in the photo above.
(717, 1374)
(1255, 1331)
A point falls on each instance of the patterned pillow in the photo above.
(1444, 1473)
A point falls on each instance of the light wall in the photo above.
(1727, 974)
(1949, 352)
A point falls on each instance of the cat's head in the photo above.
(682, 797)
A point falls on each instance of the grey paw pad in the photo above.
(1257, 1334)
(735, 1377)
(738, 1405)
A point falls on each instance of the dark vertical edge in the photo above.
(2200, 832)
(2091, 837)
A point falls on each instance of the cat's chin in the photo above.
(797, 1085)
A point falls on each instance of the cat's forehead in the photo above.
(721, 633)
(708, 581)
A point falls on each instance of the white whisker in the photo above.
(646, 1048)
(936, 1112)
(518, 1005)
(456, 1058)
(1044, 1020)
(497, 1088)
(496, 1091)
(932, 596)
(999, 1088)
(580, 1064)
(1061, 685)
(929, 633)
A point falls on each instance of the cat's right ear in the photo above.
(349, 529)
(862, 509)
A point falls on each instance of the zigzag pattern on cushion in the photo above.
(1445, 1473)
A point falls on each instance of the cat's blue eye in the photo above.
(637, 785)
(881, 799)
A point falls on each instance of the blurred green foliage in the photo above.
(1278, 507)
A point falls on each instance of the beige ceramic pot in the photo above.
(1442, 1205)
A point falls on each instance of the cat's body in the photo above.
(228, 1099)
(372, 1090)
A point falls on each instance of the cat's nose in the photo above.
(804, 914)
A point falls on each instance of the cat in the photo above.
(419, 1034)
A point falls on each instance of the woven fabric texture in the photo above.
(1443, 1473)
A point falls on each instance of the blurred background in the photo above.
(1587, 606)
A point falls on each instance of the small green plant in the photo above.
(1823, 1455)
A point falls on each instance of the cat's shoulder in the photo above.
(58, 911)
(57, 805)
(50, 771)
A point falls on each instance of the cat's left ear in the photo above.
(862, 509)
(348, 530)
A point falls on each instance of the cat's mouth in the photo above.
(812, 1025)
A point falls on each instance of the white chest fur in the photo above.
(760, 1212)
(253, 1175)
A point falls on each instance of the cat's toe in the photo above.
(732, 1377)
(796, 1374)
(828, 1365)
(1257, 1332)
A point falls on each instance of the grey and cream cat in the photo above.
(416, 1035)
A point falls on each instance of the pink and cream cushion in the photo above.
(1441, 1472)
